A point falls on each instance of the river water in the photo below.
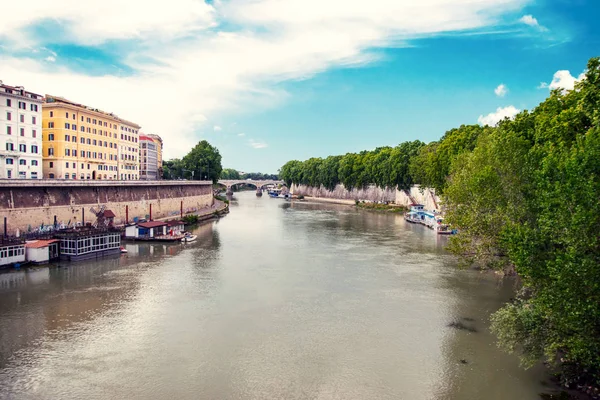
(277, 300)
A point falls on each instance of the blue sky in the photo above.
(267, 81)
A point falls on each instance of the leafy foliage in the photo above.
(203, 162)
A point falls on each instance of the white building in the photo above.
(129, 151)
(20, 133)
(148, 158)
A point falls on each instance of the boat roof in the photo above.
(38, 244)
(151, 224)
(175, 223)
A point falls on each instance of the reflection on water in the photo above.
(279, 300)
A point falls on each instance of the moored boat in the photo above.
(188, 237)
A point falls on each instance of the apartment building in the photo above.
(159, 150)
(20, 133)
(79, 142)
(148, 158)
(129, 150)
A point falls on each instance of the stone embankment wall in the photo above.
(419, 195)
(27, 204)
(373, 193)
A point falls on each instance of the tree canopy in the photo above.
(203, 162)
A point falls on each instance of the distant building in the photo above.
(20, 133)
(129, 151)
(148, 158)
(159, 151)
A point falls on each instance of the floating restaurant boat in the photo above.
(12, 251)
(86, 243)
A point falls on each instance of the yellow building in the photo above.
(79, 142)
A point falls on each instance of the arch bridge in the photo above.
(258, 184)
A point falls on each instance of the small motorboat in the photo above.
(123, 249)
(188, 237)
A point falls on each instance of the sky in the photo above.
(267, 81)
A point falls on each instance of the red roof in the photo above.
(151, 224)
(109, 214)
(175, 223)
(38, 244)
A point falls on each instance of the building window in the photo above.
(34, 175)
(9, 130)
(82, 140)
(34, 163)
(67, 125)
(51, 164)
(66, 176)
(22, 118)
(10, 147)
(51, 151)
(50, 124)
(9, 161)
(74, 139)
(82, 118)
(67, 152)
(33, 133)
(74, 127)
(33, 120)
(22, 131)
(74, 153)
(23, 148)
(8, 116)
(51, 176)
(82, 128)
(8, 103)
(51, 114)
(67, 115)
(73, 176)
(51, 137)
(67, 138)
(34, 149)
(22, 162)
(9, 174)
(67, 164)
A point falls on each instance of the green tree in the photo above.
(205, 161)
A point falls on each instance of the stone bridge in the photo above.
(258, 184)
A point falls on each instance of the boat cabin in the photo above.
(175, 227)
(84, 244)
(146, 230)
(42, 251)
(12, 251)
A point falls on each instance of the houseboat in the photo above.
(42, 251)
(88, 243)
(152, 231)
(12, 251)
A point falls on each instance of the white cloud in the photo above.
(529, 20)
(241, 134)
(170, 51)
(51, 59)
(217, 128)
(562, 80)
(257, 144)
(501, 113)
(501, 90)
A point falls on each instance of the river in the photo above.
(277, 300)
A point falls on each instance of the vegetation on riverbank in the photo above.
(380, 207)
(525, 196)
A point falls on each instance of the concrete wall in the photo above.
(419, 195)
(27, 205)
(416, 194)
(371, 193)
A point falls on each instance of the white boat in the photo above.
(188, 237)
(123, 249)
